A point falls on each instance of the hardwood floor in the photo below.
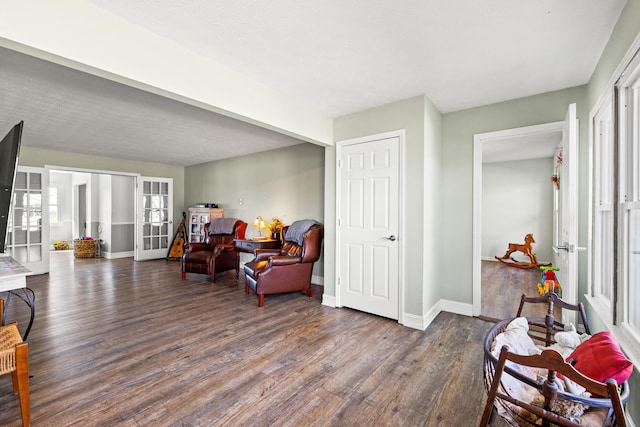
(123, 343)
(502, 287)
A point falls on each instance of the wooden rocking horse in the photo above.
(526, 250)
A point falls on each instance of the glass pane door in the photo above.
(28, 231)
(155, 217)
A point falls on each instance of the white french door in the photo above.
(368, 225)
(154, 217)
(28, 231)
(566, 213)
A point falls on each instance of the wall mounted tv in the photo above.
(9, 151)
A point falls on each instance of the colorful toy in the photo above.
(549, 281)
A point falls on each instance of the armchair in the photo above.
(218, 252)
(288, 269)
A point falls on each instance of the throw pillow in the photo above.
(600, 358)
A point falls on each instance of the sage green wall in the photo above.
(623, 35)
(457, 176)
(287, 183)
(422, 130)
(432, 213)
(38, 157)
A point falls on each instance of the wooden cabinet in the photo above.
(198, 217)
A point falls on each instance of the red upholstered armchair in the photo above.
(218, 252)
(275, 271)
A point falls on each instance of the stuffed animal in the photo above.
(566, 408)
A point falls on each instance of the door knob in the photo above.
(566, 247)
(392, 238)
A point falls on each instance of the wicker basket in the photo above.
(84, 248)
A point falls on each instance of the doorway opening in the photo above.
(503, 212)
(97, 205)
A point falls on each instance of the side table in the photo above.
(250, 246)
(12, 279)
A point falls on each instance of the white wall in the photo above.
(517, 199)
(62, 230)
(116, 214)
(122, 216)
(110, 210)
(78, 179)
(104, 211)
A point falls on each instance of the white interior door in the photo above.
(28, 233)
(368, 224)
(154, 217)
(566, 214)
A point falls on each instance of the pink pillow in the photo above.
(600, 358)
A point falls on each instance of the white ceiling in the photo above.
(337, 56)
(538, 146)
(68, 110)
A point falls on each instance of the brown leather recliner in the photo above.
(276, 271)
(218, 252)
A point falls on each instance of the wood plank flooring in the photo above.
(123, 343)
(502, 287)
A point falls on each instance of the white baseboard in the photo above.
(114, 255)
(317, 280)
(423, 322)
(420, 322)
(329, 300)
(456, 307)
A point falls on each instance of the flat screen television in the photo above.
(9, 151)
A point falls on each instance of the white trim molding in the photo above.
(423, 322)
(329, 300)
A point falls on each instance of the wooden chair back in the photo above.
(553, 361)
(544, 331)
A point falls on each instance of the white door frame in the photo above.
(567, 230)
(142, 253)
(400, 134)
(95, 171)
(41, 266)
(478, 142)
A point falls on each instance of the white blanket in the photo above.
(517, 339)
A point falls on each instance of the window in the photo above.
(629, 203)
(615, 275)
(603, 209)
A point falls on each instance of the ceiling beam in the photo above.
(80, 35)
